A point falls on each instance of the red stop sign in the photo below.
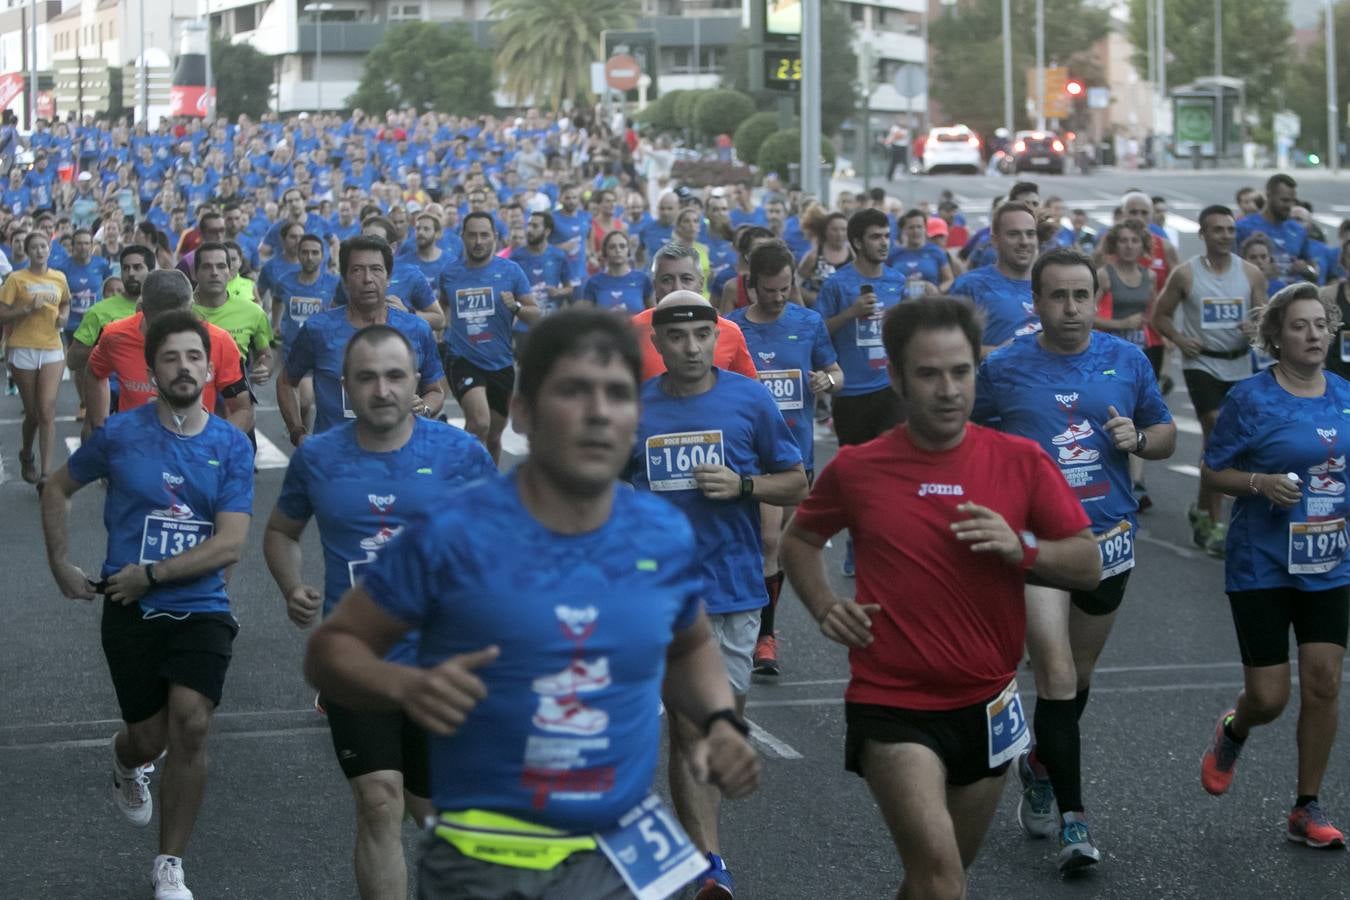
(622, 72)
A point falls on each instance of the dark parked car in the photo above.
(1038, 151)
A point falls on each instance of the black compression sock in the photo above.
(1080, 701)
(1304, 799)
(774, 585)
(1228, 733)
(1058, 749)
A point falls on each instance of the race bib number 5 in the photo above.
(1221, 312)
(1008, 731)
(1117, 549)
(785, 385)
(1316, 547)
(651, 851)
(671, 458)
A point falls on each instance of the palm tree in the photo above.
(545, 47)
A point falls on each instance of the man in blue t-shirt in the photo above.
(484, 295)
(715, 444)
(179, 497)
(302, 293)
(923, 264)
(85, 273)
(545, 265)
(796, 361)
(318, 347)
(1002, 291)
(540, 683)
(363, 481)
(1289, 239)
(1090, 400)
(571, 232)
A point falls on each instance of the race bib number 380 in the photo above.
(671, 458)
(785, 385)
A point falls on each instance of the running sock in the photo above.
(1304, 799)
(774, 585)
(1058, 749)
(1228, 732)
(1080, 700)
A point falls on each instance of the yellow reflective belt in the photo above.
(506, 841)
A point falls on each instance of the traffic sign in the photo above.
(1098, 97)
(622, 72)
(910, 81)
(1286, 125)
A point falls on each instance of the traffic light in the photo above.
(1073, 87)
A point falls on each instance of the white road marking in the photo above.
(772, 745)
(1184, 469)
(19, 421)
(1182, 224)
(72, 444)
(1186, 424)
(269, 455)
(1332, 222)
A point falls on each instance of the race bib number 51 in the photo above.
(651, 851)
(671, 458)
(1008, 731)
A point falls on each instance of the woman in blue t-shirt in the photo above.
(1279, 447)
(618, 286)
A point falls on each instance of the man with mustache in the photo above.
(120, 351)
(179, 499)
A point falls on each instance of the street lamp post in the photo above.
(1007, 67)
(1333, 126)
(1218, 76)
(317, 10)
(1040, 65)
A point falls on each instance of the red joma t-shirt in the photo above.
(952, 621)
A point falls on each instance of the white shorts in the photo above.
(736, 635)
(29, 359)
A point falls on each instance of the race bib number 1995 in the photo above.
(671, 458)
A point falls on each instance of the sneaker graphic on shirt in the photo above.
(1325, 484)
(569, 717)
(1335, 464)
(175, 510)
(1077, 455)
(380, 538)
(1076, 432)
(577, 677)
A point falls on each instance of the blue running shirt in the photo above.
(479, 327)
(1006, 303)
(363, 500)
(1288, 239)
(786, 352)
(918, 266)
(164, 493)
(565, 228)
(626, 292)
(737, 425)
(299, 301)
(568, 734)
(86, 286)
(319, 346)
(1264, 428)
(1061, 402)
(858, 343)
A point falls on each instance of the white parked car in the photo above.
(953, 148)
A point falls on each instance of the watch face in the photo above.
(1028, 539)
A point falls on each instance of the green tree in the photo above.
(967, 40)
(427, 66)
(783, 149)
(840, 96)
(545, 47)
(1308, 86)
(243, 79)
(660, 113)
(721, 112)
(684, 107)
(1256, 44)
(752, 133)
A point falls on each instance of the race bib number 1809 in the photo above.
(671, 458)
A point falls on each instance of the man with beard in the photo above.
(120, 354)
(1002, 291)
(136, 262)
(484, 296)
(179, 499)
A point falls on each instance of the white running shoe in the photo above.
(131, 790)
(1335, 464)
(167, 879)
(1077, 455)
(579, 676)
(1325, 484)
(570, 717)
(1073, 434)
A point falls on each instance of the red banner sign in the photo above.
(11, 86)
(190, 100)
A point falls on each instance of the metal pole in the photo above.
(865, 146)
(1161, 19)
(210, 78)
(1150, 47)
(32, 64)
(1007, 68)
(927, 118)
(145, 72)
(1040, 65)
(1333, 123)
(318, 54)
(1218, 87)
(696, 49)
(811, 75)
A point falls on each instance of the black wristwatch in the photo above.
(729, 716)
(1140, 442)
(150, 575)
(747, 486)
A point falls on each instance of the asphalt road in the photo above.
(277, 821)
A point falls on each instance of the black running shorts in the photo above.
(146, 655)
(1262, 619)
(1102, 600)
(860, 418)
(499, 383)
(959, 737)
(368, 742)
(1207, 392)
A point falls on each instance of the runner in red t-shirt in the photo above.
(947, 519)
